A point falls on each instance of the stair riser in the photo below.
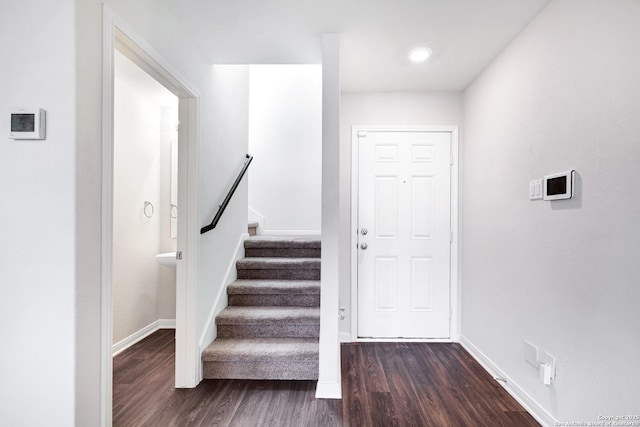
(268, 331)
(279, 274)
(261, 370)
(282, 252)
(275, 300)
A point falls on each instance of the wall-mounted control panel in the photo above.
(27, 123)
(558, 186)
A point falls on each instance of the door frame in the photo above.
(454, 301)
(118, 34)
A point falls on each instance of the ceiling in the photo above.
(465, 36)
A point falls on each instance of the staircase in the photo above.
(271, 327)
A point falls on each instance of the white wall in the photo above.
(166, 292)
(142, 147)
(381, 109)
(136, 238)
(563, 274)
(285, 138)
(37, 247)
(230, 113)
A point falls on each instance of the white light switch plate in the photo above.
(531, 354)
(535, 189)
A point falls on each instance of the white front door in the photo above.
(404, 234)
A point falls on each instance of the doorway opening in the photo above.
(121, 41)
(145, 204)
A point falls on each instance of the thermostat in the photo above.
(27, 123)
(558, 186)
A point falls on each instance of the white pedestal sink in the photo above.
(167, 259)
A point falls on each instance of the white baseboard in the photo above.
(290, 233)
(166, 324)
(534, 408)
(345, 337)
(221, 301)
(121, 346)
(328, 391)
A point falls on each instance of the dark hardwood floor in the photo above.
(383, 384)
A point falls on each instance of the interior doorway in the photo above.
(144, 205)
(119, 37)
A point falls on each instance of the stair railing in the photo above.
(224, 204)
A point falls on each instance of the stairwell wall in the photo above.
(285, 138)
(230, 112)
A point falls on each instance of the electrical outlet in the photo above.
(551, 360)
(531, 354)
(544, 372)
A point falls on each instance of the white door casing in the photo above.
(404, 259)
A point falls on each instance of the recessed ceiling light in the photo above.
(419, 54)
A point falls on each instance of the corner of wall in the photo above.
(329, 357)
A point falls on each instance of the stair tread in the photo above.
(264, 263)
(270, 287)
(269, 349)
(261, 315)
(306, 242)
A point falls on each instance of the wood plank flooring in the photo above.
(383, 384)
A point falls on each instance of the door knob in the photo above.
(363, 246)
(364, 231)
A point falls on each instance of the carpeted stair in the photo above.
(253, 228)
(271, 327)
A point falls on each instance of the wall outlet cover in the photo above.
(531, 354)
(551, 360)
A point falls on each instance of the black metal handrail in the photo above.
(224, 204)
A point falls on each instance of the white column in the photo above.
(329, 386)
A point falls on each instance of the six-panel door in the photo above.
(404, 207)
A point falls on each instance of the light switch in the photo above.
(535, 189)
